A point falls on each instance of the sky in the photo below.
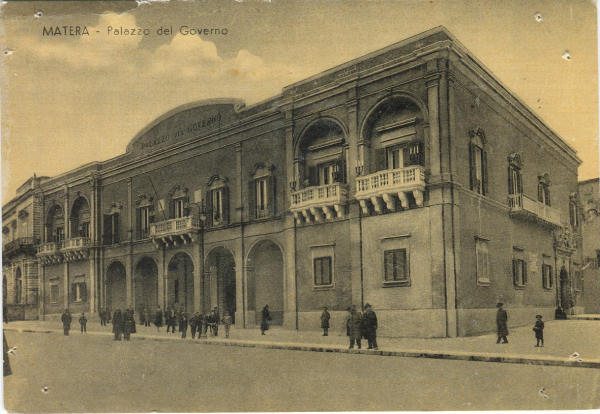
(70, 100)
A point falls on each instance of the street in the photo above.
(79, 373)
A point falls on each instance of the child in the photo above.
(539, 330)
(227, 323)
(83, 322)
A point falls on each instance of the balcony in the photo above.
(49, 253)
(174, 232)
(319, 203)
(522, 206)
(25, 245)
(381, 188)
(76, 248)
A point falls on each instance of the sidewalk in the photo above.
(563, 338)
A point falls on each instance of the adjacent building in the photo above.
(589, 195)
(409, 178)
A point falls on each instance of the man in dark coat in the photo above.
(147, 316)
(213, 321)
(370, 326)
(194, 324)
(205, 320)
(158, 318)
(117, 323)
(128, 324)
(353, 326)
(265, 319)
(502, 324)
(183, 324)
(66, 321)
(325, 321)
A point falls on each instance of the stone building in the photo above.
(409, 178)
(589, 196)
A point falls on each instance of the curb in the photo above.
(404, 353)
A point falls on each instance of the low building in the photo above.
(409, 178)
(589, 196)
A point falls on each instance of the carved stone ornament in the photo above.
(143, 200)
(477, 132)
(544, 179)
(564, 239)
(514, 159)
(178, 192)
(217, 181)
(261, 169)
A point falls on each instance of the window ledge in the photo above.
(395, 283)
(323, 287)
(484, 283)
(520, 287)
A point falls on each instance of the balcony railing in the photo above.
(76, 248)
(174, 231)
(49, 248)
(317, 200)
(21, 245)
(521, 205)
(76, 243)
(388, 184)
(50, 253)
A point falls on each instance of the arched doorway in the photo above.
(80, 218)
(219, 282)
(180, 283)
(565, 292)
(265, 280)
(116, 291)
(18, 286)
(146, 285)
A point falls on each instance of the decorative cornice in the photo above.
(514, 159)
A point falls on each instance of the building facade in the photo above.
(409, 178)
(589, 195)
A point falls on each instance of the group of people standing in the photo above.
(358, 325)
(198, 322)
(66, 320)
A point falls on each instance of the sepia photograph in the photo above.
(300, 206)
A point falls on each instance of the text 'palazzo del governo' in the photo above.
(409, 178)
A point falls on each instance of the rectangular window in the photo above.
(261, 198)
(519, 272)
(78, 292)
(84, 229)
(326, 173)
(217, 205)
(478, 170)
(144, 222)
(395, 266)
(322, 271)
(573, 218)
(514, 180)
(483, 262)
(60, 235)
(544, 193)
(54, 293)
(547, 276)
(178, 208)
(394, 157)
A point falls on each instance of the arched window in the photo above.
(55, 224)
(478, 162)
(80, 218)
(544, 189)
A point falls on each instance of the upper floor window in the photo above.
(404, 155)
(483, 262)
(217, 201)
(515, 182)
(144, 222)
(80, 218)
(110, 235)
(178, 208)
(59, 236)
(55, 223)
(322, 271)
(544, 189)
(573, 210)
(395, 266)
(478, 162)
(144, 215)
(547, 276)
(78, 292)
(262, 191)
(178, 202)
(519, 268)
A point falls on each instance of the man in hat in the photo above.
(502, 323)
(325, 321)
(66, 321)
(370, 324)
(353, 325)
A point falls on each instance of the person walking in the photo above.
(370, 326)
(183, 324)
(353, 326)
(227, 321)
(539, 331)
(265, 320)
(66, 321)
(325, 321)
(214, 321)
(502, 323)
(158, 318)
(172, 320)
(117, 323)
(128, 324)
(204, 319)
(194, 324)
(83, 323)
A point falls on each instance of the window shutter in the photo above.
(547, 196)
(515, 272)
(272, 193)
(380, 159)
(225, 203)
(171, 212)
(519, 182)
(472, 166)
(209, 209)
(313, 179)
(342, 168)
(107, 233)
(484, 173)
(403, 269)
(511, 184)
(540, 192)
(116, 232)
(83, 292)
(252, 199)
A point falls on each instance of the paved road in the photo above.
(94, 373)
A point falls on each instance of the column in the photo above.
(162, 271)
(198, 272)
(42, 291)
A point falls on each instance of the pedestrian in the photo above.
(370, 326)
(143, 316)
(158, 318)
(117, 323)
(325, 321)
(502, 323)
(204, 319)
(194, 324)
(227, 321)
(66, 321)
(183, 324)
(108, 315)
(171, 320)
(147, 316)
(83, 323)
(128, 324)
(353, 326)
(214, 321)
(265, 320)
(101, 315)
(539, 330)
